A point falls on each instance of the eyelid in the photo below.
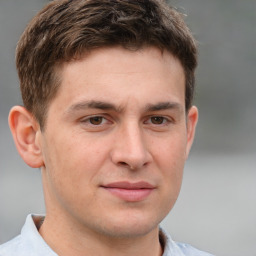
(86, 120)
(167, 120)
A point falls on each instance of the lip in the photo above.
(129, 191)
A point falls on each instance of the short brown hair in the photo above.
(65, 29)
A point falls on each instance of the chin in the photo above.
(130, 226)
(128, 232)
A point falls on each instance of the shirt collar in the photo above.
(170, 247)
(33, 240)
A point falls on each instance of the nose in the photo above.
(129, 147)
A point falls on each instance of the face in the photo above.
(115, 142)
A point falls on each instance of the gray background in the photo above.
(216, 210)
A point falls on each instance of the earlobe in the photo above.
(192, 119)
(26, 131)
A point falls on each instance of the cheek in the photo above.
(170, 160)
(171, 152)
(174, 160)
(73, 161)
(67, 174)
(61, 161)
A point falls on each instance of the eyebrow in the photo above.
(109, 106)
(93, 104)
(164, 106)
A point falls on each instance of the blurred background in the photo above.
(216, 210)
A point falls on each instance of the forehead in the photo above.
(116, 74)
(106, 58)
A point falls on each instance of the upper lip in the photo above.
(129, 185)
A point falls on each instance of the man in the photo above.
(107, 88)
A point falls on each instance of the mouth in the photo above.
(130, 192)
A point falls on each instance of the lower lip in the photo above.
(130, 195)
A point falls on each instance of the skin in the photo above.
(119, 116)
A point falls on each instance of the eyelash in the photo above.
(164, 121)
(90, 118)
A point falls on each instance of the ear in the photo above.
(26, 132)
(192, 119)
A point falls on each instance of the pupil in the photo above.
(157, 120)
(96, 120)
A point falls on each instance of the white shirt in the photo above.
(30, 243)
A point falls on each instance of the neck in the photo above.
(79, 242)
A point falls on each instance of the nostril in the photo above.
(123, 164)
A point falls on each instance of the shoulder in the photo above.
(172, 248)
(29, 242)
(189, 250)
(12, 247)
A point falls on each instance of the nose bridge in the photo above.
(130, 148)
(133, 138)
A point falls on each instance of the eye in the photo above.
(96, 120)
(157, 120)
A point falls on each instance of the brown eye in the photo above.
(157, 120)
(96, 120)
